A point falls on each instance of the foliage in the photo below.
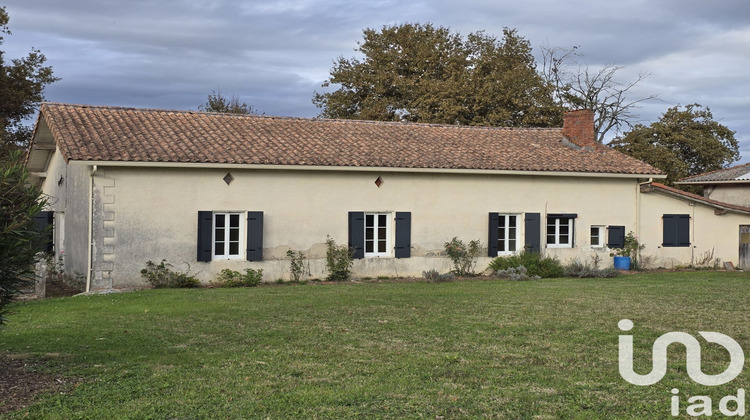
(580, 269)
(515, 274)
(298, 265)
(20, 240)
(577, 87)
(162, 276)
(434, 276)
(422, 73)
(463, 257)
(682, 143)
(216, 102)
(632, 248)
(533, 262)
(339, 260)
(23, 81)
(231, 278)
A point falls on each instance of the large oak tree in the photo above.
(682, 143)
(423, 73)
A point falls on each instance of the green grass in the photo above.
(470, 349)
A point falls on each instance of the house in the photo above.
(730, 185)
(213, 191)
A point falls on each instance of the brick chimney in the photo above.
(578, 127)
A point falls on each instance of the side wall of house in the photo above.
(67, 190)
(738, 194)
(152, 214)
(713, 237)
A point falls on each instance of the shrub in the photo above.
(632, 248)
(515, 274)
(445, 277)
(298, 265)
(19, 238)
(431, 275)
(339, 260)
(583, 270)
(162, 276)
(231, 278)
(463, 257)
(547, 267)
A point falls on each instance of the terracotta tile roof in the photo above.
(739, 173)
(693, 197)
(97, 133)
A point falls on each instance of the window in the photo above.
(376, 234)
(226, 235)
(676, 230)
(560, 230)
(597, 236)
(371, 234)
(507, 234)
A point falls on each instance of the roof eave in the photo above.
(647, 188)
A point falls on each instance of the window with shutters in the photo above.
(676, 230)
(227, 236)
(597, 236)
(560, 230)
(507, 234)
(377, 235)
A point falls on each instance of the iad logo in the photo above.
(699, 405)
(693, 356)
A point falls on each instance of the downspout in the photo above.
(638, 213)
(89, 261)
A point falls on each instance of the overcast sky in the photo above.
(275, 54)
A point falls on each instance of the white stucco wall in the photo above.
(738, 194)
(67, 190)
(710, 233)
(151, 214)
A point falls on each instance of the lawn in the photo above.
(465, 349)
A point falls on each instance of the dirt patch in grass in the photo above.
(20, 384)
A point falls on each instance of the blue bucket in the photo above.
(622, 263)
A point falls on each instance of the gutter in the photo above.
(359, 169)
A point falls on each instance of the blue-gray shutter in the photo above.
(205, 227)
(616, 237)
(255, 236)
(532, 224)
(357, 233)
(676, 230)
(43, 223)
(492, 237)
(403, 234)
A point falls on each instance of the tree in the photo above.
(216, 102)
(22, 83)
(598, 90)
(422, 73)
(682, 143)
(19, 238)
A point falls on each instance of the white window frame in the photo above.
(601, 229)
(376, 226)
(559, 221)
(241, 236)
(517, 238)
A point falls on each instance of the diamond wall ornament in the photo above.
(228, 178)
(379, 182)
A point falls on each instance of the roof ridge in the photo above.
(713, 172)
(311, 119)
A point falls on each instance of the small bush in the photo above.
(547, 267)
(431, 275)
(515, 274)
(161, 276)
(231, 278)
(298, 265)
(445, 277)
(339, 261)
(463, 257)
(583, 270)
